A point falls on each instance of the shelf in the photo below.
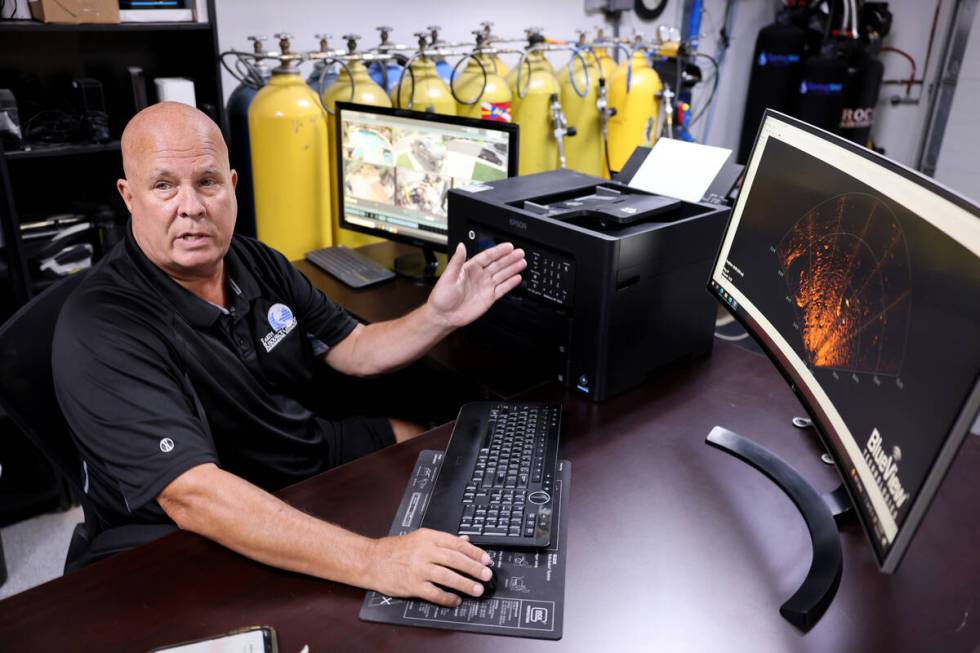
(38, 151)
(36, 26)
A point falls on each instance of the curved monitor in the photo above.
(861, 279)
(396, 167)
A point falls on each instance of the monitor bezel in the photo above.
(511, 129)
(954, 439)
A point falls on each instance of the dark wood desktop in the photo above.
(672, 546)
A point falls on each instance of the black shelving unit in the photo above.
(51, 179)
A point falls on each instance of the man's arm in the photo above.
(227, 509)
(463, 293)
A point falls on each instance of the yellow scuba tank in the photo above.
(535, 90)
(488, 98)
(288, 135)
(421, 88)
(634, 93)
(364, 91)
(585, 151)
(499, 66)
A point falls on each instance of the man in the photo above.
(180, 359)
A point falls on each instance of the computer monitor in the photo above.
(861, 280)
(395, 168)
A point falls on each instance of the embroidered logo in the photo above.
(282, 321)
(166, 445)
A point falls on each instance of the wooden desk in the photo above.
(673, 546)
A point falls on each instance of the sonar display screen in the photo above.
(870, 304)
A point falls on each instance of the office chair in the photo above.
(27, 394)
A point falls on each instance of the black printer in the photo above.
(615, 283)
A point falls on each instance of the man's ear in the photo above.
(234, 178)
(122, 186)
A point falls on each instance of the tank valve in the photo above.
(352, 40)
(323, 38)
(561, 127)
(285, 41)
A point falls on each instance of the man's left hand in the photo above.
(467, 289)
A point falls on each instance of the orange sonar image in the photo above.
(846, 266)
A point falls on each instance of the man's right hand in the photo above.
(412, 565)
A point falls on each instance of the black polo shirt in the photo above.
(137, 358)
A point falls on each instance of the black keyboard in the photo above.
(349, 266)
(496, 482)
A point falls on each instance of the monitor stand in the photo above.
(810, 601)
(424, 267)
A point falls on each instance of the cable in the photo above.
(911, 60)
(714, 87)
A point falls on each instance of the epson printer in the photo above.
(615, 282)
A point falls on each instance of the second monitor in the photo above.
(395, 168)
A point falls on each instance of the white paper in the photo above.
(680, 169)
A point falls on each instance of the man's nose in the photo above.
(189, 204)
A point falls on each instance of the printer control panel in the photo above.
(549, 276)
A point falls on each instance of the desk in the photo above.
(673, 546)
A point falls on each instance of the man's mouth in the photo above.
(193, 238)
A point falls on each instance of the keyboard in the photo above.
(349, 266)
(496, 483)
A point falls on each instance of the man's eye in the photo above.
(161, 185)
(208, 182)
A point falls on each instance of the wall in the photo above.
(898, 129)
(959, 162)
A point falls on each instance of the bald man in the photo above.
(181, 360)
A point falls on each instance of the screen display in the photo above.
(397, 170)
(862, 280)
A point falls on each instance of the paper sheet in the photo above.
(680, 169)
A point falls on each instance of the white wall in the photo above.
(959, 158)
(898, 129)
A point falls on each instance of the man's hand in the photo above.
(467, 289)
(412, 565)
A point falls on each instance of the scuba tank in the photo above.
(821, 93)
(479, 91)
(579, 98)
(535, 93)
(488, 38)
(777, 68)
(420, 87)
(321, 69)
(289, 161)
(385, 73)
(442, 66)
(353, 84)
(634, 93)
(239, 154)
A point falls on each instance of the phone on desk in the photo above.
(255, 639)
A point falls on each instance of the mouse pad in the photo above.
(530, 596)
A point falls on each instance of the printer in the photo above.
(615, 282)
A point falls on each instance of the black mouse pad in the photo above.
(530, 596)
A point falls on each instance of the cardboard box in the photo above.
(74, 12)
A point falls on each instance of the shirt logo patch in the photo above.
(166, 445)
(280, 316)
(282, 321)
